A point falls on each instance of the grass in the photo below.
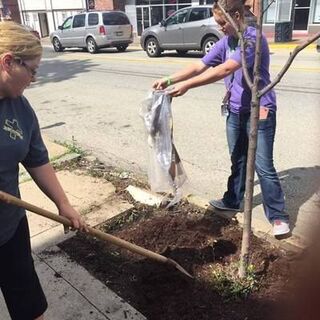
(72, 146)
(226, 282)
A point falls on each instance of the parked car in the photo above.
(94, 30)
(318, 45)
(192, 28)
(33, 31)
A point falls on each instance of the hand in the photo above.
(178, 89)
(160, 84)
(70, 213)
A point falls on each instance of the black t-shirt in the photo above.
(20, 142)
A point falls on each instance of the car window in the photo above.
(67, 23)
(114, 19)
(79, 21)
(197, 14)
(93, 19)
(179, 17)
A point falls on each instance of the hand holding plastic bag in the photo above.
(166, 173)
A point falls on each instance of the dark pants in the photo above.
(18, 280)
(238, 126)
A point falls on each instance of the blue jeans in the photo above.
(238, 126)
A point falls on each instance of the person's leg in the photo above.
(19, 282)
(238, 146)
(272, 194)
(40, 318)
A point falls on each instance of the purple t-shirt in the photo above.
(240, 98)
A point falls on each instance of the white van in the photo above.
(93, 30)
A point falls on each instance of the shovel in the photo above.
(5, 197)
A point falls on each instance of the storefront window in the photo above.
(206, 2)
(91, 4)
(270, 14)
(284, 11)
(317, 12)
(159, 10)
(142, 2)
(156, 14)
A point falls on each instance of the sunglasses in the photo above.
(33, 72)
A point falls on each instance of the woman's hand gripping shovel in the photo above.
(5, 197)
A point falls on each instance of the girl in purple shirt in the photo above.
(224, 62)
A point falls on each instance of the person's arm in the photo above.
(209, 76)
(46, 179)
(186, 73)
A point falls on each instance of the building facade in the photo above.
(46, 15)
(304, 15)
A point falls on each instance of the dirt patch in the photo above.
(205, 244)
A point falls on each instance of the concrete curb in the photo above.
(272, 46)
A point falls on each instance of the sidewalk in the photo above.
(297, 39)
(72, 293)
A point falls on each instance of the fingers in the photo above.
(77, 224)
(159, 84)
(175, 92)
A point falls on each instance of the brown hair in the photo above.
(19, 41)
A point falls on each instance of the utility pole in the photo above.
(53, 18)
(1, 11)
(20, 3)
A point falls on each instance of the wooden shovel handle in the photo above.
(5, 197)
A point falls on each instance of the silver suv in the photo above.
(93, 30)
(192, 28)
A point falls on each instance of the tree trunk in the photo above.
(253, 137)
(246, 234)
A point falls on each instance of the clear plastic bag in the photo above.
(166, 173)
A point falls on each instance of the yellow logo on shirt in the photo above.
(13, 128)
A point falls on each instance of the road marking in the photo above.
(296, 68)
(164, 60)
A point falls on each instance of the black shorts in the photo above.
(18, 279)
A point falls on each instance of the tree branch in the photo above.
(287, 65)
(242, 46)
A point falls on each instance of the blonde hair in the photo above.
(19, 41)
(230, 6)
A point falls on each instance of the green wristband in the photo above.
(169, 81)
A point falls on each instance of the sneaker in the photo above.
(280, 227)
(221, 205)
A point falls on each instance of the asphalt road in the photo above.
(95, 99)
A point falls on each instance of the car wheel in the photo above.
(122, 48)
(57, 45)
(208, 44)
(152, 47)
(91, 45)
(182, 52)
